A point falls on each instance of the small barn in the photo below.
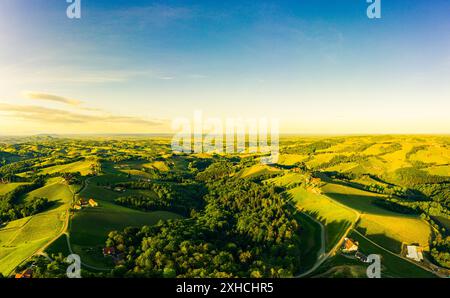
(414, 252)
(349, 245)
(93, 203)
(27, 273)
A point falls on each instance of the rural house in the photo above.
(414, 253)
(83, 202)
(349, 245)
(27, 273)
(108, 251)
(93, 203)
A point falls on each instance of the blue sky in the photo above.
(318, 66)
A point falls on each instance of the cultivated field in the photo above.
(383, 191)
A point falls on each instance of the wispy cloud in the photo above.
(51, 97)
(49, 115)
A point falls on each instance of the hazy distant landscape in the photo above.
(130, 207)
(225, 139)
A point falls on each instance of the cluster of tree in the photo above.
(392, 147)
(339, 159)
(412, 176)
(363, 147)
(30, 207)
(440, 242)
(11, 210)
(180, 198)
(392, 205)
(414, 150)
(438, 192)
(7, 157)
(392, 191)
(198, 165)
(440, 251)
(9, 170)
(42, 267)
(217, 170)
(172, 176)
(71, 178)
(307, 149)
(246, 230)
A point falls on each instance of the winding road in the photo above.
(322, 256)
(65, 231)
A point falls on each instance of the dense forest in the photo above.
(10, 209)
(179, 198)
(245, 229)
(224, 215)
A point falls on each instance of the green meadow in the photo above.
(20, 239)
(391, 189)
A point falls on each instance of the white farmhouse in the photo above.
(414, 253)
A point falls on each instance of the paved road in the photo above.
(65, 231)
(399, 255)
(322, 256)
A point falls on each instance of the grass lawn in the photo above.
(439, 170)
(310, 241)
(22, 238)
(82, 166)
(159, 165)
(287, 179)
(59, 246)
(257, 170)
(433, 154)
(335, 217)
(391, 265)
(5, 188)
(290, 159)
(90, 226)
(385, 227)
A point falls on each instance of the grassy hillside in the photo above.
(391, 265)
(82, 166)
(5, 188)
(89, 227)
(335, 217)
(22, 238)
(388, 228)
(334, 179)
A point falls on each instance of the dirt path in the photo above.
(65, 227)
(323, 256)
(65, 231)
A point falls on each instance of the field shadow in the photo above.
(54, 205)
(383, 240)
(361, 203)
